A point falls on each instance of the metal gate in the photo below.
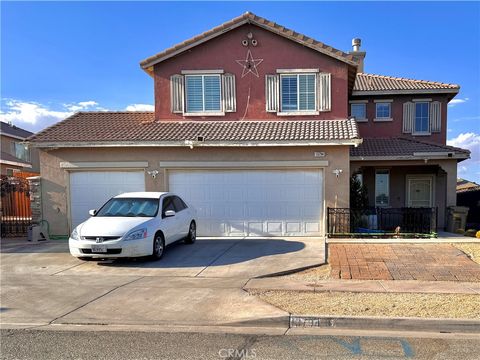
(16, 214)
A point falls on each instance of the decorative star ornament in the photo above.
(249, 64)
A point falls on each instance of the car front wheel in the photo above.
(158, 247)
(192, 234)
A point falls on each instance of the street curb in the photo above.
(289, 272)
(438, 325)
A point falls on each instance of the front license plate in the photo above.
(99, 248)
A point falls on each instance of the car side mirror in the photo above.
(169, 213)
(92, 212)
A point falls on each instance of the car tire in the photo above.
(192, 233)
(158, 247)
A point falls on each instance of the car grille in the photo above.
(109, 251)
(104, 238)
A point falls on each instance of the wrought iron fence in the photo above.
(381, 221)
(16, 215)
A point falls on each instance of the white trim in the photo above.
(401, 92)
(242, 164)
(296, 71)
(433, 153)
(410, 177)
(361, 120)
(14, 163)
(358, 101)
(104, 165)
(205, 113)
(421, 100)
(407, 157)
(383, 101)
(298, 113)
(421, 133)
(14, 136)
(201, 72)
(280, 111)
(182, 143)
(382, 119)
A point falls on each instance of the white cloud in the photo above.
(471, 141)
(34, 116)
(454, 102)
(140, 107)
(82, 105)
(30, 112)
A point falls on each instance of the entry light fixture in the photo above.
(153, 173)
(337, 172)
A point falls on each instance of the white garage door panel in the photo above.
(253, 202)
(91, 189)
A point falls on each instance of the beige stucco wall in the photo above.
(445, 179)
(55, 179)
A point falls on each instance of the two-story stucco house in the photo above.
(259, 128)
(16, 155)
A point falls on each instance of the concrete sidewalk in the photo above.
(378, 286)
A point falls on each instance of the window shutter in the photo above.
(436, 116)
(229, 97)
(272, 92)
(176, 93)
(324, 91)
(408, 117)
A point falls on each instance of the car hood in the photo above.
(110, 226)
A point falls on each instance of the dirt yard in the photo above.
(375, 304)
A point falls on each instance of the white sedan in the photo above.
(134, 224)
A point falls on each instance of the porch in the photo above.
(406, 186)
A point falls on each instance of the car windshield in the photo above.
(129, 207)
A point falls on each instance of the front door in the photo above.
(420, 191)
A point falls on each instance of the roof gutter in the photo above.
(431, 156)
(404, 92)
(191, 144)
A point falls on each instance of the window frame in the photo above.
(169, 197)
(383, 118)
(298, 73)
(414, 130)
(204, 112)
(384, 171)
(364, 103)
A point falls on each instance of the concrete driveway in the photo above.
(198, 284)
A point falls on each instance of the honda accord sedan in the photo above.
(132, 225)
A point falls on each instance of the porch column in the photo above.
(450, 167)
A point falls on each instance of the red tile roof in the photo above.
(372, 82)
(249, 18)
(131, 127)
(401, 147)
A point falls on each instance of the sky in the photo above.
(62, 57)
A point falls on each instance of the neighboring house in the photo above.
(254, 125)
(16, 155)
(468, 195)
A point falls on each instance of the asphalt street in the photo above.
(46, 344)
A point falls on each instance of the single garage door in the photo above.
(253, 202)
(91, 189)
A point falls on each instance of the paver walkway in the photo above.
(429, 262)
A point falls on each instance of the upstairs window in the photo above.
(422, 118)
(21, 151)
(203, 93)
(298, 92)
(383, 111)
(359, 111)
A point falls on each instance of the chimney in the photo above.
(357, 54)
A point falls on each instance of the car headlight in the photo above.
(75, 235)
(137, 234)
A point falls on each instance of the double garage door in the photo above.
(228, 202)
